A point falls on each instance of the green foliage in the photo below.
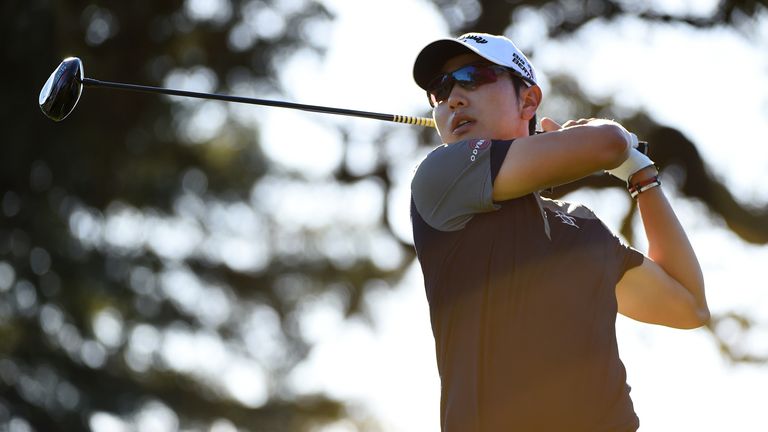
(125, 231)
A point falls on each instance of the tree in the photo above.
(142, 276)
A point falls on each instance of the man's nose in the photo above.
(457, 97)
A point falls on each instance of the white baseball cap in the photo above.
(496, 49)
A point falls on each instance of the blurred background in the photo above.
(174, 264)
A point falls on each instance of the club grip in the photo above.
(419, 121)
(642, 147)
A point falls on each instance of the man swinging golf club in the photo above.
(523, 291)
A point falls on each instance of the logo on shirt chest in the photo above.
(565, 218)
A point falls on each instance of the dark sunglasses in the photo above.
(469, 77)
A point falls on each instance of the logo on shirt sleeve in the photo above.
(476, 146)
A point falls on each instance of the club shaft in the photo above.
(420, 121)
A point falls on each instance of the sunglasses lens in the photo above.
(440, 88)
(476, 76)
(468, 77)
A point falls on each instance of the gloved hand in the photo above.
(634, 163)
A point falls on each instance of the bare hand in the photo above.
(549, 125)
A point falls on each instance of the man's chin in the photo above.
(454, 138)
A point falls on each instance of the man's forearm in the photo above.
(668, 244)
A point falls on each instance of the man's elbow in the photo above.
(699, 318)
(614, 148)
(704, 316)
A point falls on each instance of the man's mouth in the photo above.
(461, 125)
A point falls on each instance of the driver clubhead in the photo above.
(62, 91)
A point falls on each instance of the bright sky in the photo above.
(710, 85)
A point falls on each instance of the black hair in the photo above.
(520, 84)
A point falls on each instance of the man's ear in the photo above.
(529, 102)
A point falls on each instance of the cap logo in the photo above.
(477, 39)
(522, 64)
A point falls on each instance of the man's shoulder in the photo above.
(453, 183)
(446, 161)
(469, 147)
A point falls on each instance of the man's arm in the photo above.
(562, 155)
(668, 288)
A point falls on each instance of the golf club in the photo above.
(63, 88)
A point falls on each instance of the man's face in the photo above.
(490, 111)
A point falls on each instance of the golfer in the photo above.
(523, 291)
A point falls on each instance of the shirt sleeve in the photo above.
(629, 257)
(453, 183)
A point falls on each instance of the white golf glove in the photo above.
(634, 163)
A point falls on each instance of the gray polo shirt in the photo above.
(522, 301)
